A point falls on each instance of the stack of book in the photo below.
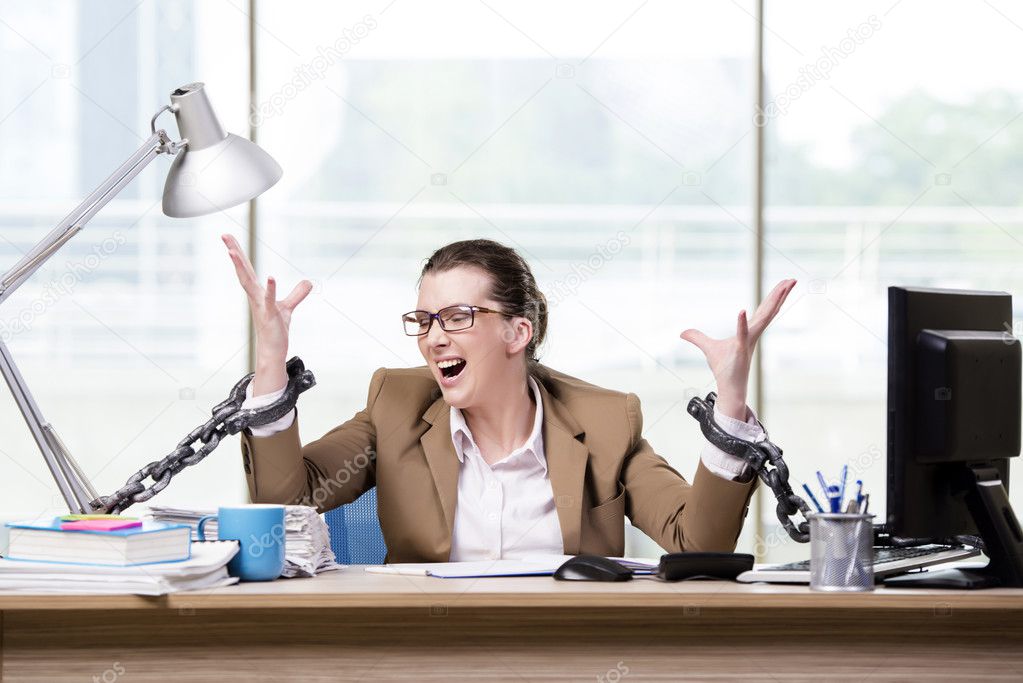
(306, 536)
(111, 556)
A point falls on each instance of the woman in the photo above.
(486, 454)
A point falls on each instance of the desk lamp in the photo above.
(213, 170)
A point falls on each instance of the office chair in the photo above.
(355, 535)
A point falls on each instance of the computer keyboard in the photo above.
(888, 561)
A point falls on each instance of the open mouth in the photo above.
(451, 367)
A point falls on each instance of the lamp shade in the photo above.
(216, 169)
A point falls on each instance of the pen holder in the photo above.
(841, 552)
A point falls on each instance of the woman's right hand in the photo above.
(270, 318)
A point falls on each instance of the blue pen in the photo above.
(813, 498)
(824, 484)
(859, 493)
(835, 498)
(845, 475)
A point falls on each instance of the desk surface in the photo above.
(350, 625)
(354, 588)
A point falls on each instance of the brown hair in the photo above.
(512, 284)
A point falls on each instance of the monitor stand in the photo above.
(989, 504)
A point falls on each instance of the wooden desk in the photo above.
(351, 625)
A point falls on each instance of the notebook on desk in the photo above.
(540, 565)
(88, 542)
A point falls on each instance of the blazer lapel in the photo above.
(566, 466)
(440, 454)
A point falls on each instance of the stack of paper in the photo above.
(307, 543)
(207, 568)
(306, 537)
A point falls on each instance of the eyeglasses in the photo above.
(451, 319)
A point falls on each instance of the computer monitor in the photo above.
(953, 423)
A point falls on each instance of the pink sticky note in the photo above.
(99, 525)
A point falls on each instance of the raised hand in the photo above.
(270, 318)
(730, 358)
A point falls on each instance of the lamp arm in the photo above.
(158, 143)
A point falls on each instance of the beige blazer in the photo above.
(600, 466)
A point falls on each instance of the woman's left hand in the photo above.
(729, 359)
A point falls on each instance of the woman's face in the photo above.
(491, 350)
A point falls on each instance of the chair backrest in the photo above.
(355, 535)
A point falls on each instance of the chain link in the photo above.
(764, 458)
(228, 418)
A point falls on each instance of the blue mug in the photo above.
(260, 531)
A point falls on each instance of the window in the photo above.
(135, 329)
(890, 162)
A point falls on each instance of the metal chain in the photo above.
(761, 456)
(228, 418)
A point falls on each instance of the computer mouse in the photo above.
(592, 568)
